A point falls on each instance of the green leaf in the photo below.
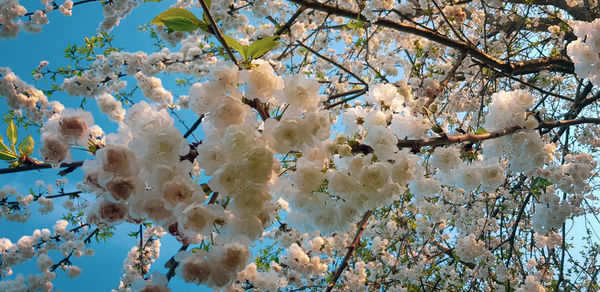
(437, 129)
(7, 156)
(540, 182)
(481, 131)
(355, 24)
(92, 148)
(152, 0)
(2, 146)
(203, 26)
(232, 43)
(177, 19)
(262, 46)
(11, 133)
(26, 146)
(180, 24)
(204, 17)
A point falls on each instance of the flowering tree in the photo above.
(359, 145)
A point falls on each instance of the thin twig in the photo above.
(286, 26)
(218, 33)
(445, 82)
(334, 63)
(35, 198)
(65, 260)
(194, 126)
(75, 164)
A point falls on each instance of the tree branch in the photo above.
(334, 63)
(217, 32)
(286, 26)
(474, 138)
(35, 198)
(73, 165)
(172, 263)
(449, 76)
(351, 248)
(558, 64)
(194, 126)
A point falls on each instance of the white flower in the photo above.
(409, 126)
(425, 186)
(374, 176)
(263, 83)
(445, 158)
(384, 93)
(44, 262)
(110, 106)
(73, 271)
(226, 75)
(308, 176)
(55, 150)
(199, 219)
(285, 135)
(194, 269)
(152, 89)
(203, 97)
(228, 112)
(468, 177)
(383, 141)
(164, 146)
(468, 248)
(112, 213)
(211, 157)
(301, 93)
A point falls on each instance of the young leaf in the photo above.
(203, 25)
(11, 133)
(26, 146)
(7, 156)
(180, 24)
(232, 43)
(481, 131)
(177, 19)
(262, 46)
(3, 147)
(204, 17)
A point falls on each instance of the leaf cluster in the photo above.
(13, 152)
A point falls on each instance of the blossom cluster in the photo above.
(450, 184)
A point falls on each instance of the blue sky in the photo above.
(22, 54)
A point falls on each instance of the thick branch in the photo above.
(578, 12)
(172, 263)
(444, 140)
(474, 138)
